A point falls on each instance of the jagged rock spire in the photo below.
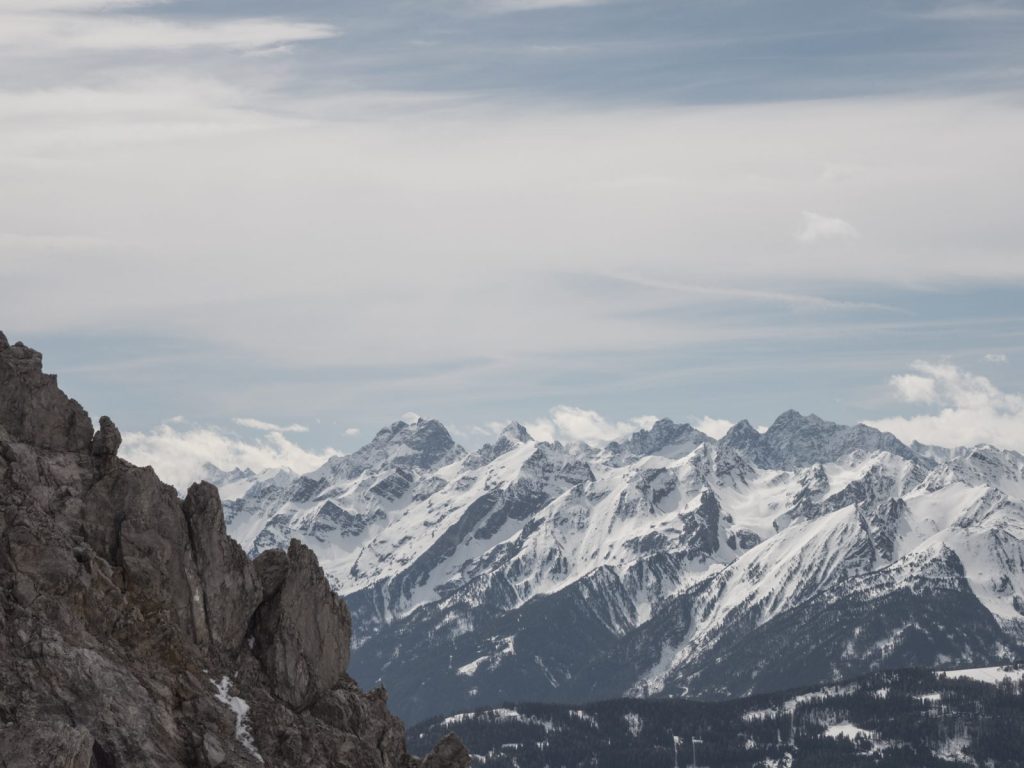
(107, 440)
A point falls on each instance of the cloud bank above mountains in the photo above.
(963, 409)
(179, 454)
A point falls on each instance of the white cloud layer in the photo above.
(971, 409)
(568, 423)
(178, 455)
(139, 164)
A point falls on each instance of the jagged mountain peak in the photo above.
(422, 444)
(511, 437)
(982, 465)
(796, 440)
(663, 438)
(741, 436)
(516, 432)
(935, 453)
(988, 452)
(793, 416)
(404, 429)
(214, 474)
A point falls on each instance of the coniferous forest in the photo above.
(893, 719)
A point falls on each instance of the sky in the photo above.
(256, 232)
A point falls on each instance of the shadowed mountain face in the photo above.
(668, 563)
(134, 631)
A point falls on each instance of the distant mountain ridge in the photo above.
(667, 563)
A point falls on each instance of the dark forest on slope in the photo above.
(894, 719)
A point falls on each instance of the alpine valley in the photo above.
(666, 564)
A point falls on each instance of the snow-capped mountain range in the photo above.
(670, 563)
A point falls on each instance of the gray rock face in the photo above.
(57, 745)
(32, 407)
(230, 588)
(302, 630)
(134, 632)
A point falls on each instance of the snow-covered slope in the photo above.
(666, 563)
(235, 483)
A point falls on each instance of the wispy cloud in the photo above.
(815, 228)
(267, 426)
(50, 28)
(39, 34)
(995, 357)
(798, 300)
(517, 6)
(975, 11)
(569, 423)
(39, 6)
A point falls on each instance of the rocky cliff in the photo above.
(135, 632)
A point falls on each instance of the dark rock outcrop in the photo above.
(448, 752)
(107, 440)
(302, 630)
(32, 407)
(135, 632)
(230, 588)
